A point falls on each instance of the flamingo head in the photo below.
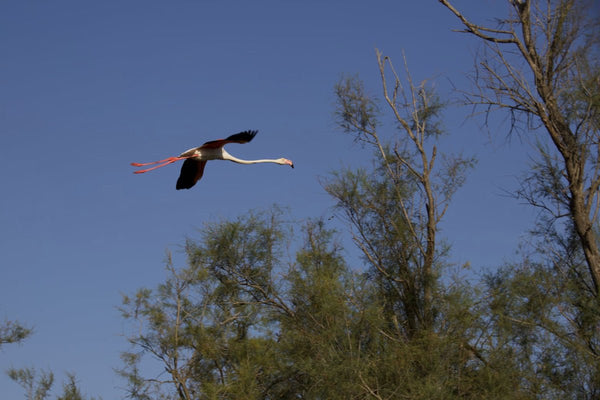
(285, 161)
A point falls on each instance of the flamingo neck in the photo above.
(227, 156)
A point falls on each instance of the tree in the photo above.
(424, 327)
(542, 65)
(208, 325)
(395, 211)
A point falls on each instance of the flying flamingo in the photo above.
(196, 158)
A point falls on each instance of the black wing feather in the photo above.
(191, 172)
(242, 137)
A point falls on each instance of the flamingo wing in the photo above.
(242, 137)
(191, 172)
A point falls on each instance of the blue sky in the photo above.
(88, 87)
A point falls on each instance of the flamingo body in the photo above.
(197, 157)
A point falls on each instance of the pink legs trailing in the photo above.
(161, 163)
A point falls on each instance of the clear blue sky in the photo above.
(88, 87)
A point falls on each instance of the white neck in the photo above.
(227, 156)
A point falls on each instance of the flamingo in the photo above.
(196, 158)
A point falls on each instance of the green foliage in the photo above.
(316, 336)
(550, 325)
(370, 203)
(220, 329)
(70, 389)
(429, 110)
(13, 332)
(205, 324)
(39, 387)
(35, 388)
(356, 112)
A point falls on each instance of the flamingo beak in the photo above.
(290, 163)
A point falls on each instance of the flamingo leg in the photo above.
(137, 164)
(161, 163)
